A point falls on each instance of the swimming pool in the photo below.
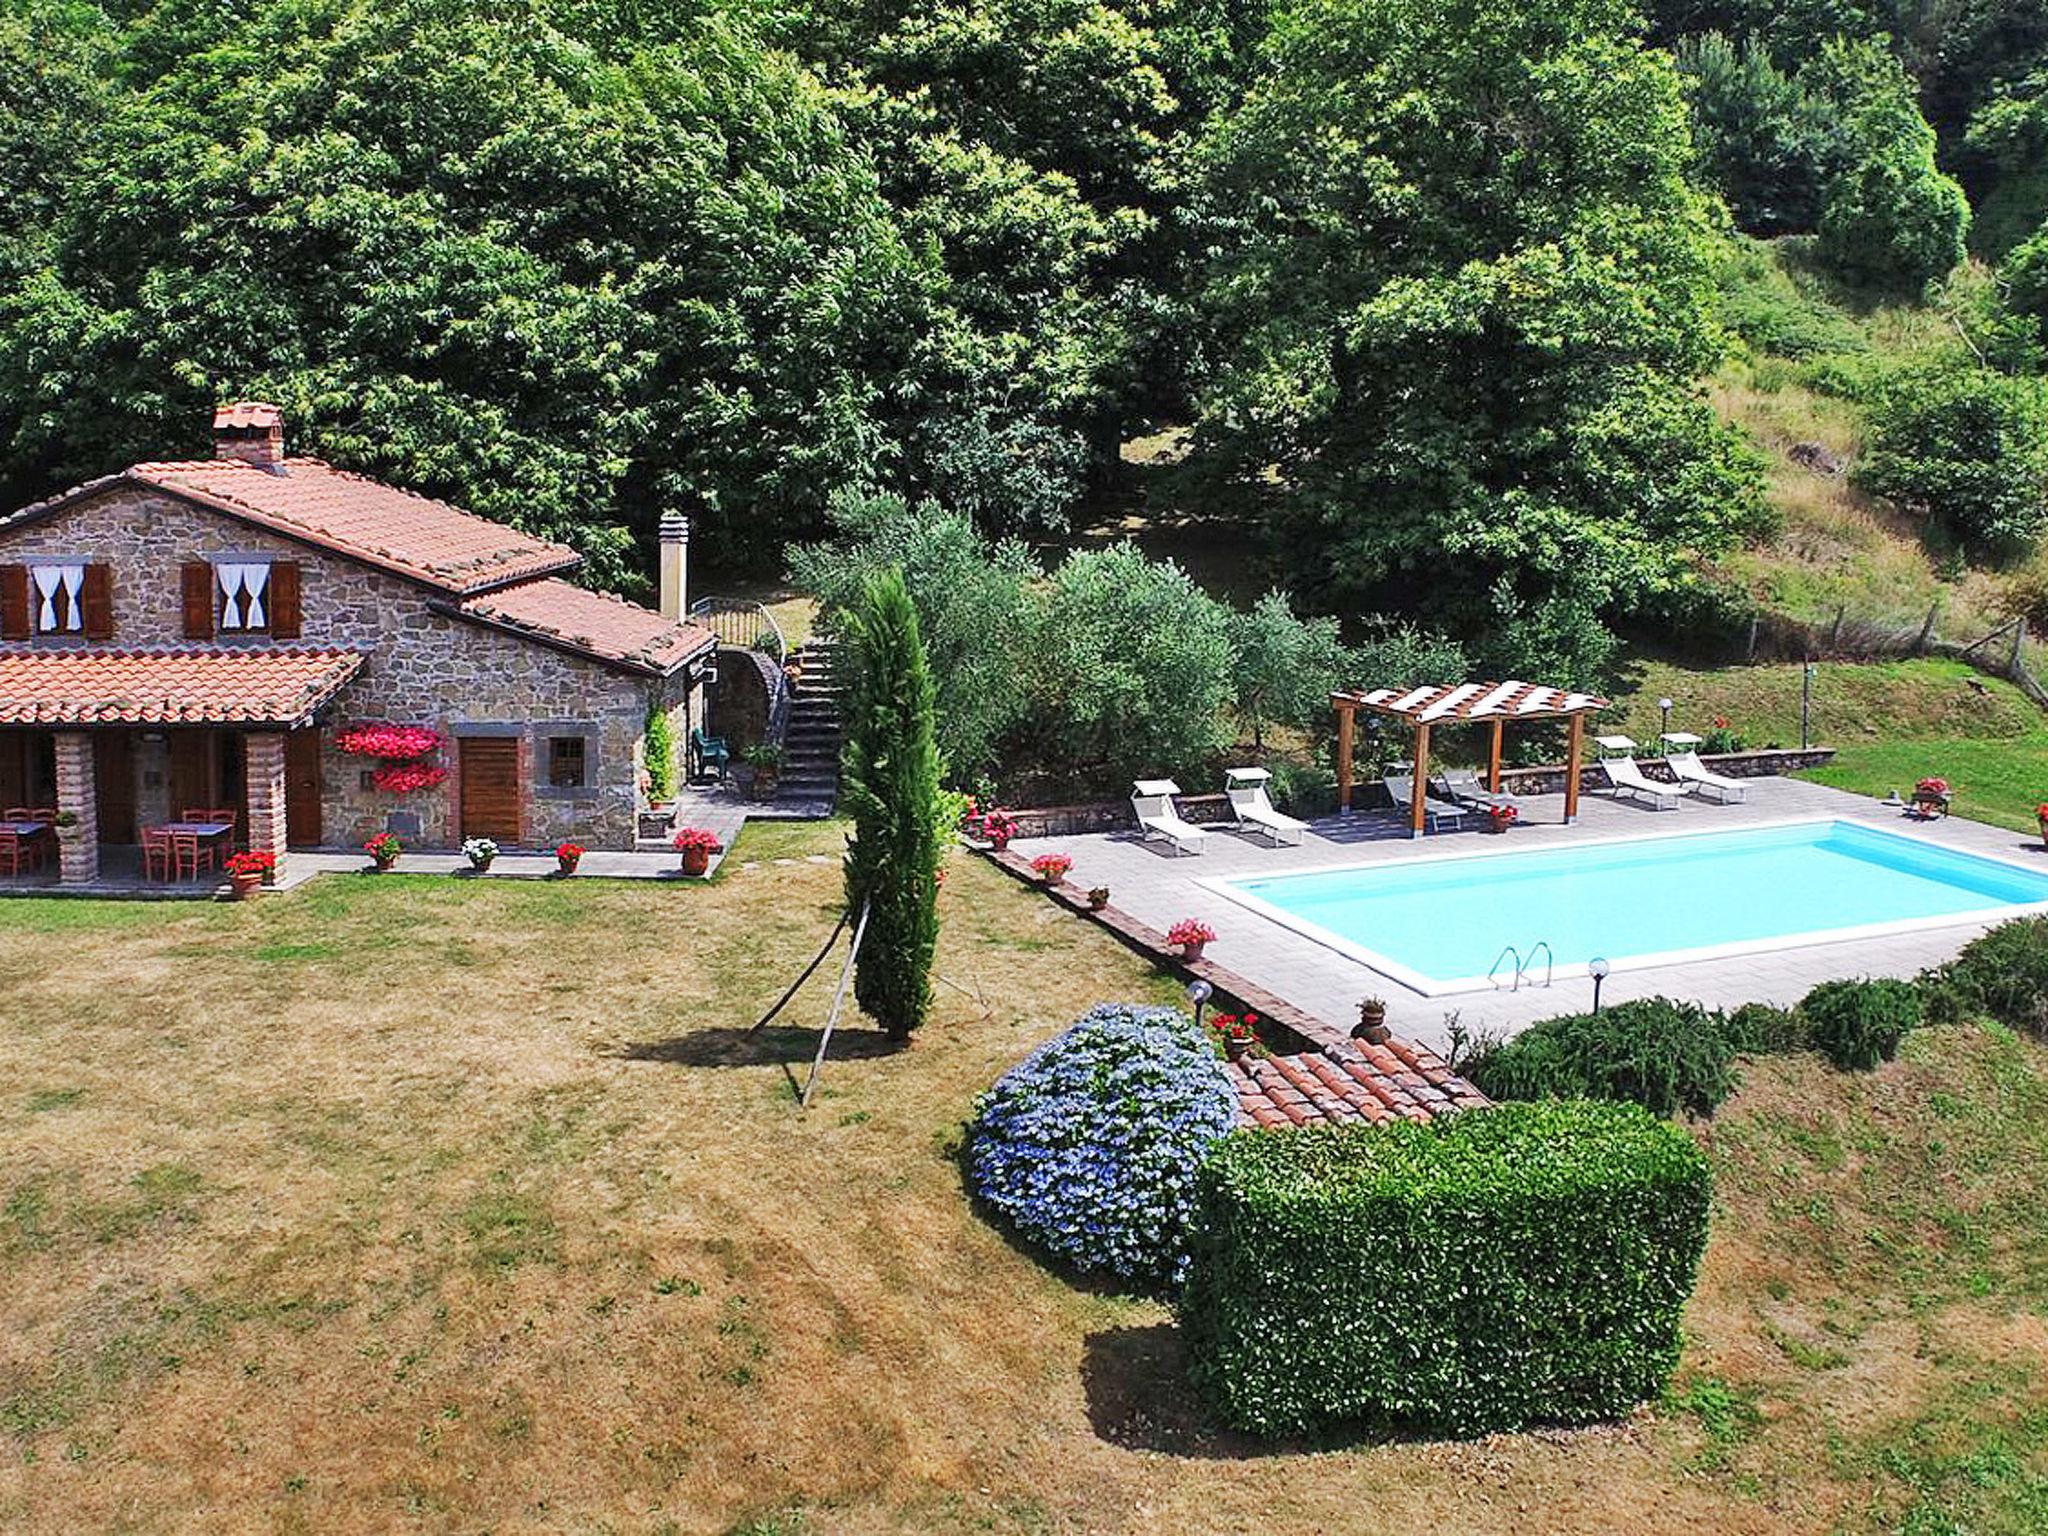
(1439, 924)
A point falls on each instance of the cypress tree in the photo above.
(890, 786)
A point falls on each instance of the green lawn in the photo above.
(1891, 724)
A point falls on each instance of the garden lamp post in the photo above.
(1199, 993)
(1598, 969)
(1806, 708)
(1664, 706)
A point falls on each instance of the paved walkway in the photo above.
(1159, 887)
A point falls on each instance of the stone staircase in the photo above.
(810, 770)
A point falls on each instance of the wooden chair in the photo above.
(157, 854)
(17, 813)
(190, 853)
(12, 851)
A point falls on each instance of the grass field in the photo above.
(405, 1203)
(1891, 723)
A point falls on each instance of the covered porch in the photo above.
(1494, 705)
(193, 753)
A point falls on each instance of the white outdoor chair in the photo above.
(1465, 788)
(1152, 800)
(1246, 788)
(1626, 777)
(1698, 777)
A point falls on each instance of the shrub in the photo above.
(900, 819)
(1089, 1146)
(1652, 1051)
(1758, 1029)
(1520, 1265)
(658, 753)
(1967, 446)
(2003, 973)
(1857, 1024)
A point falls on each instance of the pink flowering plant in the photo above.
(393, 743)
(1188, 931)
(384, 847)
(695, 837)
(1051, 867)
(406, 778)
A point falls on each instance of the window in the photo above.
(566, 762)
(244, 594)
(58, 592)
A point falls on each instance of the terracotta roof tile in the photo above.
(1347, 1083)
(413, 535)
(607, 627)
(189, 686)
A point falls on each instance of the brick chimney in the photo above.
(251, 431)
(675, 566)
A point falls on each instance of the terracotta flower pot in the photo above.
(1098, 898)
(999, 844)
(1193, 952)
(696, 861)
(242, 886)
(481, 866)
(1235, 1049)
(566, 866)
(385, 863)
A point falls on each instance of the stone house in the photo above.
(208, 633)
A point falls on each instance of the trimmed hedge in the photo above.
(1660, 1054)
(1088, 1147)
(1520, 1265)
(1761, 1029)
(2003, 973)
(1857, 1024)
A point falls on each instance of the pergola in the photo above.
(1495, 704)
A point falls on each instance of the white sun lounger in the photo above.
(1255, 813)
(1465, 788)
(1152, 799)
(1627, 777)
(1698, 777)
(1402, 787)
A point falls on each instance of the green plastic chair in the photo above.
(710, 751)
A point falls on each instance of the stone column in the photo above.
(78, 847)
(263, 771)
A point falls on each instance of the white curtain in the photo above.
(243, 587)
(58, 587)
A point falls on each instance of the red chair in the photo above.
(157, 854)
(190, 853)
(11, 853)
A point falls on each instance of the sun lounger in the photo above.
(1698, 777)
(1152, 799)
(1402, 788)
(1465, 789)
(1255, 813)
(1626, 777)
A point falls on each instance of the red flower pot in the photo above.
(566, 866)
(242, 886)
(1193, 952)
(696, 861)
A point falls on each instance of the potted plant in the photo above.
(567, 857)
(1190, 937)
(1500, 817)
(1931, 797)
(696, 845)
(247, 870)
(765, 758)
(479, 851)
(68, 826)
(1051, 868)
(1372, 1022)
(1098, 897)
(1239, 1034)
(998, 826)
(384, 850)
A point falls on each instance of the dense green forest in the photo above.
(1435, 287)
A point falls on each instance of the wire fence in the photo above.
(2008, 651)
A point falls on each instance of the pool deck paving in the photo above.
(1158, 887)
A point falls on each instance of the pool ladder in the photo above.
(1523, 967)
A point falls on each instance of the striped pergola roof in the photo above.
(1456, 704)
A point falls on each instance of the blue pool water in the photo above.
(1446, 920)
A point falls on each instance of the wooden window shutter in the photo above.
(14, 612)
(284, 599)
(199, 607)
(96, 602)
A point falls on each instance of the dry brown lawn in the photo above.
(435, 1204)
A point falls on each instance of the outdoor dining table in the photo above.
(27, 832)
(205, 831)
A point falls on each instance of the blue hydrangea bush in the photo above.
(1089, 1147)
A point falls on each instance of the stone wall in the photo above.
(422, 667)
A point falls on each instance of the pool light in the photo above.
(1599, 970)
(1199, 993)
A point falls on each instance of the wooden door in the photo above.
(14, 769)
(303, 783)
(113, 772)
(490, 787)
(193, 782)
